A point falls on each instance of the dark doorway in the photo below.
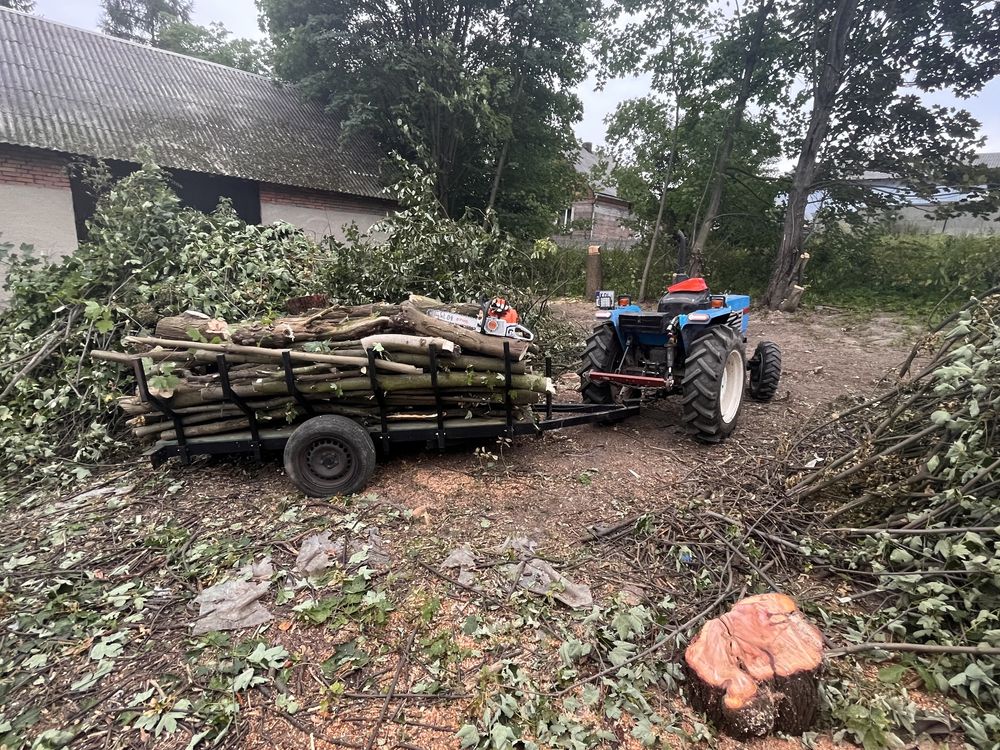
(195, 189)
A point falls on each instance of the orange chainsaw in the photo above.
(496, 318)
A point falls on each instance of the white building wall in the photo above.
(38, 216)
(319, 222)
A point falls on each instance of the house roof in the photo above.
(988, 159)
(586, 160)
(80, 92)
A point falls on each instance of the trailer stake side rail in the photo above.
(258, 438)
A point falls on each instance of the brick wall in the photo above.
(31, 166)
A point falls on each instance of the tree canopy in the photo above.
(482, 90)
(142, 20)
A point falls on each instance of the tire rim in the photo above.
(328, 460)
(731, 388)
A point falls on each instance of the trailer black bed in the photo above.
(329, 455)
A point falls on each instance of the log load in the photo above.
(331, 350)
(755, 670)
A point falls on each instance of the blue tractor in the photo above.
(693, 345)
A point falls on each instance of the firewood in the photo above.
(754, 670)
(265, 355)
(395, 342)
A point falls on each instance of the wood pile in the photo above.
(330, 352)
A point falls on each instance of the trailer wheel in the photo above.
(714, 375)
(329, 456)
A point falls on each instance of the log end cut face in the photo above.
(754, 669)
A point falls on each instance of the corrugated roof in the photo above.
(988, 159)
(80, 92)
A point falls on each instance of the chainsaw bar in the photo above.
(488, 325)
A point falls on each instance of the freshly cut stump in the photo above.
(755, 670)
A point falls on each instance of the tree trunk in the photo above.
(755, 670)
(824, 99)
(750, 60)
(663, 203)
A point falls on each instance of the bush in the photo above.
(148, 256)
(879, 270)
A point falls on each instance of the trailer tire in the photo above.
(765, 371)
(602, 353)
(713, 384)
(330, 455)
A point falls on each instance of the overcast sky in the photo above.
(240, 17)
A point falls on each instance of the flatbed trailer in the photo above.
(328, 455)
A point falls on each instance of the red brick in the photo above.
(33, 166)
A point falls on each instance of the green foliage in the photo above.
(142, 20)
(213, 43)
(146, 257)
(875, 269)
(478, 88)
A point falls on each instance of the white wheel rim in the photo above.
(731, 388)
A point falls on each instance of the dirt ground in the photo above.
(550, 489)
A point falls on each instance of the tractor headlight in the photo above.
(699, 317)
(602, 315)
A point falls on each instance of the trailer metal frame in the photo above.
(440, 433)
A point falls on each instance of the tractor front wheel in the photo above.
(765, 371)
(714, 375)
(602, 353)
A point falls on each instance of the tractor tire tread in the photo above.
(765, 371)
(599, 354)
(701, 383)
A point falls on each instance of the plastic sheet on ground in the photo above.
(539, 577)
(318, 552)
(233, 605)
(464, 560)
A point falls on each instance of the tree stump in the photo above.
(755, 670)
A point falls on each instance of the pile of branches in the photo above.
(331, 350)
(906, 485)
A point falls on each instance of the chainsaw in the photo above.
(497, 318)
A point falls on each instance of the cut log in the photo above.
(330, 326)
(262, 354)
(395, 342)
(755, 670)
(184, 325)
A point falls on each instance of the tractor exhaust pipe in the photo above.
(682, 256)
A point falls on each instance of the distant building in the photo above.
(912, 216)
(67, 93)
(598, 216)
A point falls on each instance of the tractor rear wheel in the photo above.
(602, 353)
(765, 371)
(714, 376)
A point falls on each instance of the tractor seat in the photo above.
(685, 297)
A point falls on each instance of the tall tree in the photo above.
(748, 42)
(143, 20)
(861, 60)
(482, 88)
(664, 39)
